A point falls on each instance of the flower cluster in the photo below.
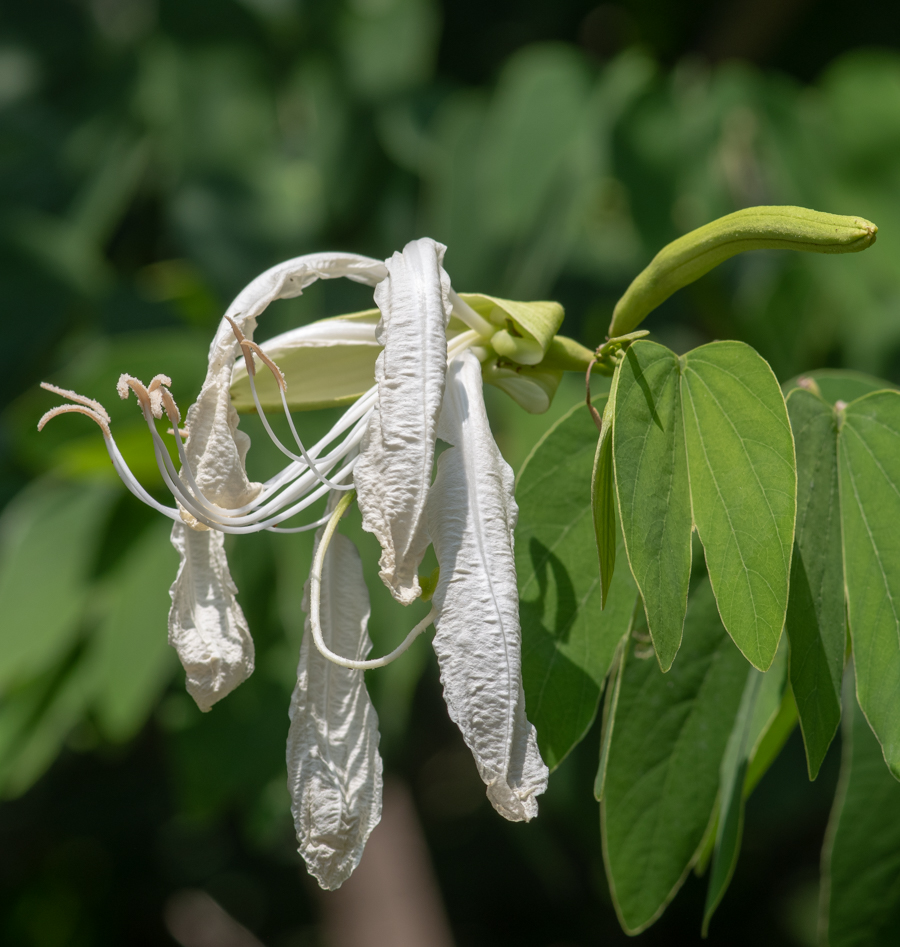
(434, 350)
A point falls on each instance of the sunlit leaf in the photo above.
(603, 503)
(568, 642)
(662, 776)
(743, 489)
(652, 487)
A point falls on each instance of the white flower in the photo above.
(428, 378)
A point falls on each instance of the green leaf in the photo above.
(610, 706)
(860, 901)
(130, 649)
(759, 707)
(772, 741)
(568, 642)
(652, 487)
(743, 485)
(662, 775)
(869, 457)
(48, 541)
(838, 384)
(603, 504)
(816, 622)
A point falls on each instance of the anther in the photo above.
(137, 386)
(273, 368)
(103, 422)
(80, 399)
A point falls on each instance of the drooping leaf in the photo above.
(743, 489)
(869, 471)
(603, 503)
(662, 774)
(568, 640)
(860, 898)
(131, 649)
(652, 488)
(815, 622)
(760, 703)
(47, 548)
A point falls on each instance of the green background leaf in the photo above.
(860, 902)
(662, 775)
(568, 642)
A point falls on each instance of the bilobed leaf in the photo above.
(869, 458)
(603, 503)
(568, 640)
(130, 648)
(815, 622)
(839, 384)
(743, 485)
(759, 707)
(47, 548)
(652, 488)
(662, 774)
(860, 900)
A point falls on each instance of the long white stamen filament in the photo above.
(287, 494)
(315, 596)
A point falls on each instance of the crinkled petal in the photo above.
(206, 625)
(471, 517)
(334, 768)
(215, 447)
(393, 473)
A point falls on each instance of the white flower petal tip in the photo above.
(393, 474)
(334, 768)
(206, 625)
(471, 518)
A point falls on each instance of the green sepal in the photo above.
(531, 387)
(539, 321)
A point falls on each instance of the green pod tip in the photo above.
(754, 228)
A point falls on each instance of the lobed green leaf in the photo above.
(568, 641)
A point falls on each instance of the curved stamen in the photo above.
(250, 348)
(315, 597)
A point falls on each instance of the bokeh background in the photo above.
(155, 155)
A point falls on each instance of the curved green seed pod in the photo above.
(754, 228)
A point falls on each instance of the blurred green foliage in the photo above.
(156, 156)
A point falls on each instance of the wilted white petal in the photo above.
(393, 473)
(471, 518)
(215, 447)
(334, 768)
(206, 624)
